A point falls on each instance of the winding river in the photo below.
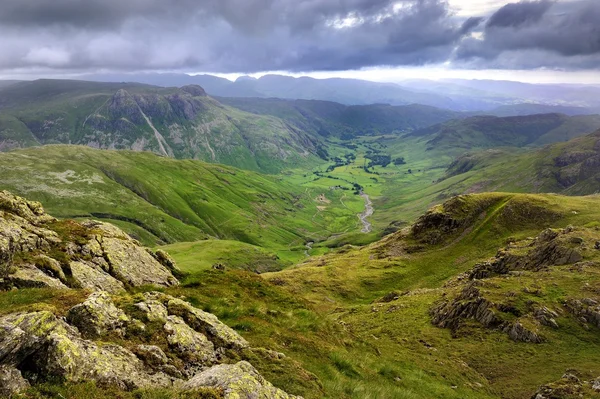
(367, 227)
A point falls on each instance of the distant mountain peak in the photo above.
(194, 90)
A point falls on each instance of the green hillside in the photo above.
(331, 119)
(163, 200)
(517, 131)
(362, 319)
(570, 168)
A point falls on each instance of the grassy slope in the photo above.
(569, 168)
(159, 199)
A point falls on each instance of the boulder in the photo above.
(133, 265)
(89, 276)
(98, 316)
(208, 324)
(29, 276)
(238, 381)
(23, 334)
(48, 346)
(193, 347)
(153, 307)
(76, 360)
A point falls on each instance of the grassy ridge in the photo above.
(161, 200)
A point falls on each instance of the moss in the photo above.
(92, 391)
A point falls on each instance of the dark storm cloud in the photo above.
(538, 34)
(226, 35)
(294, 35)
(517, 14)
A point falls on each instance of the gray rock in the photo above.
(153, 310)
(517, 332)
(193, 347)
(238, 381)
(91, 277)
(97, 316)
(55, 349)
(11, 381)
(29, 276)
(208, 324)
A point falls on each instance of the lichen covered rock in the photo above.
(90, 254)
(208, 324)
(191, 345)
(11, 381)
(98, 316)
(89, 276)
(238, 381)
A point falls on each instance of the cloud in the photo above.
(534, 34)
(227, 35)
(294, 35)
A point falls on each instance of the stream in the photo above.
(367, 227)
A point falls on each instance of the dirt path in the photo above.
(367, 226)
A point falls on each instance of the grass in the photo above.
(341, 341)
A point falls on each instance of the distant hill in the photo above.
(333, 119)
(517, 131)
(570, 168)
(344, 91)
(175, 122)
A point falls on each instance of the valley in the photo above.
(375, 251)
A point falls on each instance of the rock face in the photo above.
(550, 248)
(238, 381)
(471, 304)
(40, 345)
(93, 255)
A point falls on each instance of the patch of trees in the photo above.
(399, 161)
(378, 159)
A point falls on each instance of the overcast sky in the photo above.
(541, 40)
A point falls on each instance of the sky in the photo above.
(385, 40)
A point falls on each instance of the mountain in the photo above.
(327, 119)
(344, 91)
(531, 109)
(517, 131)
(570, 168)
(556, 94)
(174, 122)
(458, 95)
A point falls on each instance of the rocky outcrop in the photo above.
(192, 346)
(238, 381)
(587, 310)
(569, 386)
(91, 255)
(470, 304)
(550, 248)
(39, 345)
